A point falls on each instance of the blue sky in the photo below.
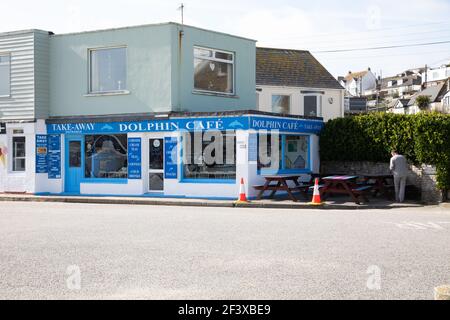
(319, 25)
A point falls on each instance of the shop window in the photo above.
(295, 155)
(281, 104)
(310, 106)
(106, 156)
(210, 155)
(213, 71)
(292, 155)
(19, 154)
(5, 75)
(269, 151)
(108, 70)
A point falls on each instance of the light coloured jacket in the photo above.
(399, 166)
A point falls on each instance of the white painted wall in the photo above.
(328, 110)
(437, 74)
(21, 182)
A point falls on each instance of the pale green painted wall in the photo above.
(148, 72)
(245, 73)
(159, 79)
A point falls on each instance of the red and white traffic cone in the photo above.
(242, 196)
(316, 194)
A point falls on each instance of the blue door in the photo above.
(74, 167)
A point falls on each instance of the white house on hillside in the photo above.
(434, 76)
(357, 84)
(294, 82)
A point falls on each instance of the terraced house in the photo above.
(115, 112)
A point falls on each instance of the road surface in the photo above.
(89, 251)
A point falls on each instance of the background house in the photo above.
(435, 93)
(294, 82)
(402, 85)
(358, 84)
(434, 76)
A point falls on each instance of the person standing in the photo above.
(399, 167)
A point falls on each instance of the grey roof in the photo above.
(404, 103)
(292, 68)
(434, 92)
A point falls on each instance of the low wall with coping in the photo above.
(423, 177)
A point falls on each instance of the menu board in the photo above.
(54, 156)
(170, 158)
(134, 158)
(41, 153)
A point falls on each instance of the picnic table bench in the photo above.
(280, 183)
(345, 185)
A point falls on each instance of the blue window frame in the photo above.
(294, 155)
(105, 169)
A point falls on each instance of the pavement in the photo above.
(52, 250)
(336, 203)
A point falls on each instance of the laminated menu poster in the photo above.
(41, 153)
(134, 158)
(170, 158)
(54, 156)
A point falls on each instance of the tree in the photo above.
(423, 102)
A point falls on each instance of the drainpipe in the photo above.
(180, 34)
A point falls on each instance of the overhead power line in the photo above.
(365, 32)
(385, 47)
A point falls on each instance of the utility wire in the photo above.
(350, 38)
(362, 32)
(385, 47)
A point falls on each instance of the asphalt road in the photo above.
(84, 251)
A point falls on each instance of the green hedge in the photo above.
(422, 138)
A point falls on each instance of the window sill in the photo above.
(18, 174)
(215, 94)
(102, 94)
(268, 172)
(209, 181)
(104, 181)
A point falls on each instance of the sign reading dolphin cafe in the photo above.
(158, 156)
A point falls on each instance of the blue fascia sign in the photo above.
(190, 124)
(285, 124)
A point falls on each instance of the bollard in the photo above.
(442, 293)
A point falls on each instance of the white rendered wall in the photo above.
(332, 105)
(21, 182)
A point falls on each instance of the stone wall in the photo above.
(423, 178)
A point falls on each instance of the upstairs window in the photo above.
(5, 71)
(311, 106)
(213, 71)
(108, 70)
(281, 104)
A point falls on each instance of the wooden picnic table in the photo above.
(381, 183)
(344, 185)
(280, 183)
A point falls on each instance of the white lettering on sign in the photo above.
(204, 125)
(73, 127)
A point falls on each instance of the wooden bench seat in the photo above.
(362, 189)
